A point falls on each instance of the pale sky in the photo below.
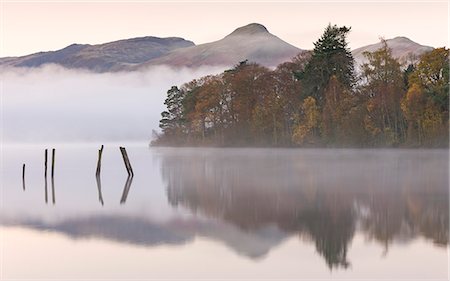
(32, 26)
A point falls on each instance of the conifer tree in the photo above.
(331, 57)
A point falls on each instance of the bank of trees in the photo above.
(315, 100)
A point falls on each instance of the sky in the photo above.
(31, 26)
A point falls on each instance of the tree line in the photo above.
(317, 99)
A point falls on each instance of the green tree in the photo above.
(331, 56)
(172, 120)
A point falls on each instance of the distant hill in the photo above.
(113, 56)
(403, 49)
(252, 42)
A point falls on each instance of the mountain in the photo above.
(403, 49)
(112, 56)
(252, 42)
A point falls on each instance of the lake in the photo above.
(235, 213)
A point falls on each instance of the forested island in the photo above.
(318, 99)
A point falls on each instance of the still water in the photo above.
(196, 213)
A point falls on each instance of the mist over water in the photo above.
(54, 104)
(278, 213)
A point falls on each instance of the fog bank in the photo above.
(54, 104)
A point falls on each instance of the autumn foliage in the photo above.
(315, 100)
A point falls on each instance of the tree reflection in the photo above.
(326, 196)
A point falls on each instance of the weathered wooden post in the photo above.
(99, 161)
(45, 162)
(97, 175)
(126, 160)
(53, 179)
(53, 162)
(45, 175)
(23, 176)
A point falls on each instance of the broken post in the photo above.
(23, 176)
(45, 175)
(126, 160)
(97, 175)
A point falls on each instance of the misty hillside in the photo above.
(402, 48)
(252, 42)
(106, 57)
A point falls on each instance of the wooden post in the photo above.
(45, 163)
(23, 176)
(53, 162)
(45, 175)
(53, 173)
(97, 175)
(126, 160)
(127, 186)
(99, 161)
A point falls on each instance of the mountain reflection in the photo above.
(146, 232)
(322, 195)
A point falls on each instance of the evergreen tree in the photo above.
(331, 57)
(172, 118)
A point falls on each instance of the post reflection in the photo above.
(99, 188)
(126, 189)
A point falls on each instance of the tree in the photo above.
(267, 119)
(172, 119)
(342, 116)
(432, 74)
(331, 56)
(245, 84)
(382, 83)
(315, 100)
(332, 111)
(306, 130)
(413, 106)
(208, 113)
(289, 90)
(426, 105)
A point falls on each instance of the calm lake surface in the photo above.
(204, 213)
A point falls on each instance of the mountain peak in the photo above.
(401, 39)
(250, 29)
